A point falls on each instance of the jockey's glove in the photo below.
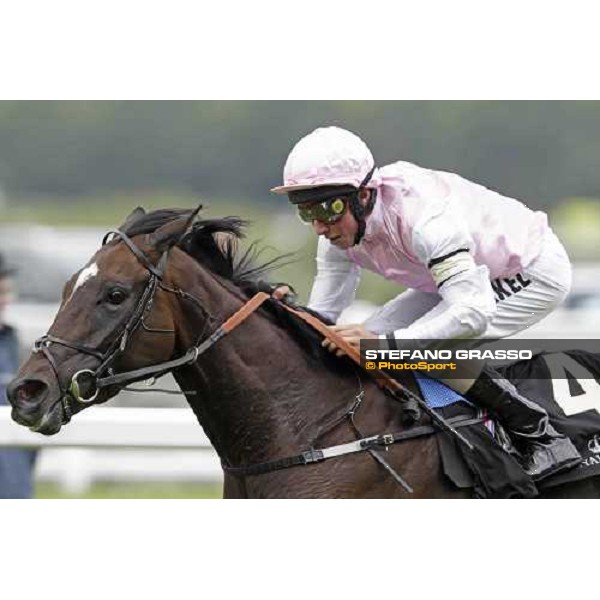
(268, 287)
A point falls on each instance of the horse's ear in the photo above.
(170, 234)
(135, 215)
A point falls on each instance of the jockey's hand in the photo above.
(351, 334)
(281, 292)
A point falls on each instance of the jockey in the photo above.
(477, 265)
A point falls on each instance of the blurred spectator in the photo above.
(16, 465)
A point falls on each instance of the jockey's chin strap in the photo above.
(359, 211)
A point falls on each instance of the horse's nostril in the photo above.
(28, 390)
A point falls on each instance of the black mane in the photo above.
(214, 243)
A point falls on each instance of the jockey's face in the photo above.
(343, 232)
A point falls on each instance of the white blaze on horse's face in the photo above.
(86, 274)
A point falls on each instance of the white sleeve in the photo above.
(336, 281)
(440, 234)
(401, 311)
(443, 243)
(467, 308)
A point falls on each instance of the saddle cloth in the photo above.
(567, 385)
(436, 394)
(572, 401)
(489, 470)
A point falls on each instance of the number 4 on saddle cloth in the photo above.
(566, 385)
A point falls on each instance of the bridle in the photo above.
(104, 376)
(87, 378)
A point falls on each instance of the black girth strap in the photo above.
(320, 454)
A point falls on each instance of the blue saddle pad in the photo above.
(436, 394)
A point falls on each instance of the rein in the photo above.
(191, 356)
(383, 379)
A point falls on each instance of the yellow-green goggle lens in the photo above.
(337, 206)
(328, 211)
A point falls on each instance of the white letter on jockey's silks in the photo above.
(86, 274)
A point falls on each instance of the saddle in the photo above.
(490, 470)
(493, 471)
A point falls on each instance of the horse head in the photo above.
(111, 319)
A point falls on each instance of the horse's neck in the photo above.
(259, 395)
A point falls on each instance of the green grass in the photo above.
(134, 491)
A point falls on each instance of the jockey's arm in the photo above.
(465, 311)
(468, 304)
(335, 283)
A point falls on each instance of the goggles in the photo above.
(327, 211)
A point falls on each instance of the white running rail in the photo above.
(175, 428)
(119, 444)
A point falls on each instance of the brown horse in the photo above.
(266, 391)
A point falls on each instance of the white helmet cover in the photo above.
(327, 156)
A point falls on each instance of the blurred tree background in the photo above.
(89, 163)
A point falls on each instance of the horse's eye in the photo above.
(116, 296)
